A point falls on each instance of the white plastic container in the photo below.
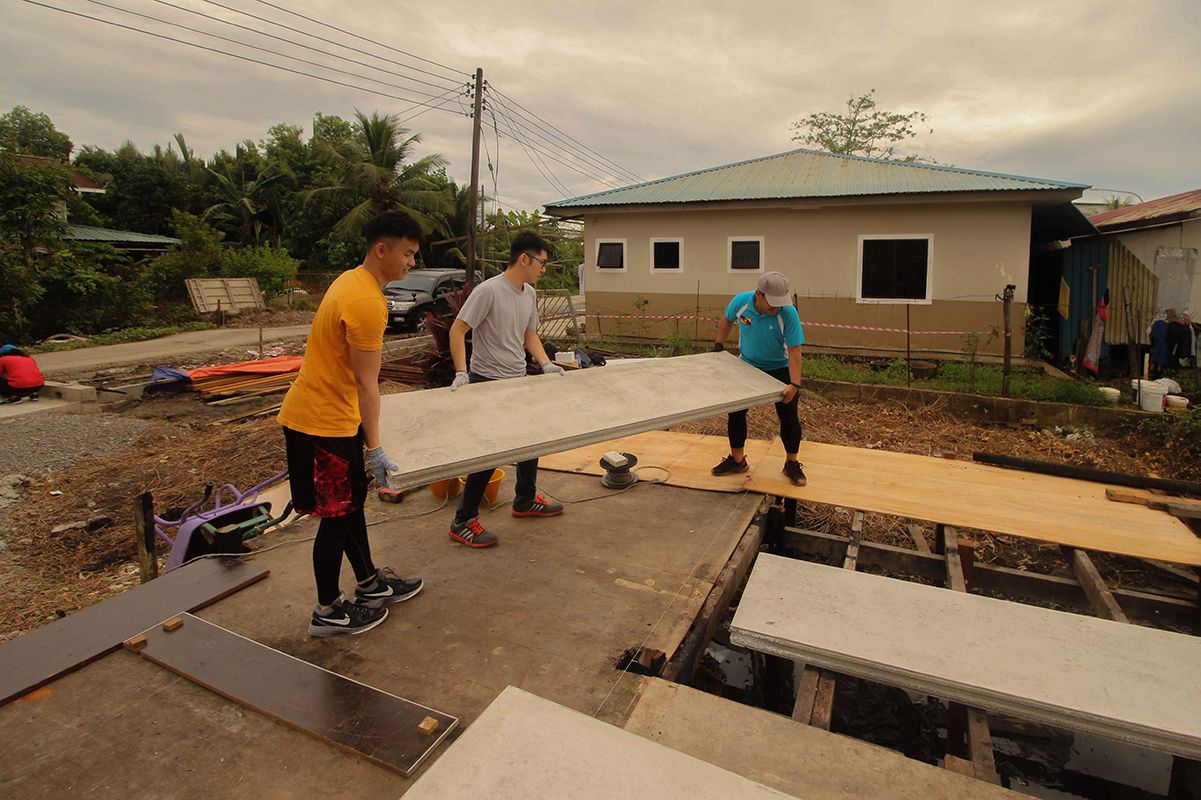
(1176, 403)
(565, 357)
(1151, 397)
(1111, 394)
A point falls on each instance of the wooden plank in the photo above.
(40, 656)
(1126, 682)
(1060, 510)
(979, 740)
(524, 747)
(379, 726)
(687, 457)
(823, 702)
(806, 694)
(851, 559)
(439, 433)
(1095, 589)
(919, 538)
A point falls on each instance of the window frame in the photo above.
(666, 270)
(916, 301)
(625, 257)
(730, 270)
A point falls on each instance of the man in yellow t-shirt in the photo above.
(332, 412)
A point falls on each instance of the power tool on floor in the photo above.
(618, 466)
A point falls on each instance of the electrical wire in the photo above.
(546, 173)
(613, 492)
(395, 517)
(258, 48)
(544, 125)
(198, 46)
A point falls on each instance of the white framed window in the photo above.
(667, 255)
(744, 254)
(895, 268)
(610, 255)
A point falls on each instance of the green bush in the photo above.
(88, 288)
(198, 255)
(273, 268)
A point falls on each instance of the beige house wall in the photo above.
(976, 249)
(1145, 244)
(938, 327)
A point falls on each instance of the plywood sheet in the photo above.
(43, 654)
(438, 433)
(688, 457)
(523, 746)
(379, 726)
(1122, 681)
(968, 495)
(795, 758)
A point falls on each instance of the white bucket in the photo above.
(1152, 397)
(1175, 403)
(1111, 394)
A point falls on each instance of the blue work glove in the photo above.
(551, 368)
(381, 465)
(461, 379)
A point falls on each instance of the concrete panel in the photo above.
(523, 746)
(438, 433)
(1117, 680)
(787, 755)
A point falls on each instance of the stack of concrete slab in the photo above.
(1123, 681)
(440, 433)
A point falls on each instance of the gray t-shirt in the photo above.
(499, 317)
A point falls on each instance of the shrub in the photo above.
(89, 288)
(198, 255)
(273, 268)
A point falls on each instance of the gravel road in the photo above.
(50, 440)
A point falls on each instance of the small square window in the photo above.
(745, 253)
(665, 255)
(610, 255)
(895, 269)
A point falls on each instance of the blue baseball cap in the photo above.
(8, 348)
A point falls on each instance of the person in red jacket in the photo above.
(19, 375)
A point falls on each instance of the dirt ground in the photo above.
(44, 575)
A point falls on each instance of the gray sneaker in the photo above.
(345, 618)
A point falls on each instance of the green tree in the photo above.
(371, 172)
(33, 134)
(1116, 201)
(89, 288)
(864, 130)
(273, 268)
(246, 187)
(198, 255)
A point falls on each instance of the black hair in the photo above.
(528, 242)
(393, 224)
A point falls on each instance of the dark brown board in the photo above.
(379, 726)
(40, 656)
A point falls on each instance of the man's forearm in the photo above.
(369, 406)
(794, 365)
(458, 347)
(723, 330)
(534, 345)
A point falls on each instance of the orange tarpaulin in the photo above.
(266, 366)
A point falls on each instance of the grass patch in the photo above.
(123, 336)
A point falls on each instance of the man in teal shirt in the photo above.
(769, 338)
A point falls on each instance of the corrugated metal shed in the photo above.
(810, 174)
(87, 233)
(1186, 205)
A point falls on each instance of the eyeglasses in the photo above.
(541, 261)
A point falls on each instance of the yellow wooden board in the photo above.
(688, 456)
(970, 495)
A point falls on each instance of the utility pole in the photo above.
(473, 203)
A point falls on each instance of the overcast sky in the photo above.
(1102, 93)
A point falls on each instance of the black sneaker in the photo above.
(344, 617)
(538, 507)
(387, 588)
(472, 533)
(729, 466)
(792, 470)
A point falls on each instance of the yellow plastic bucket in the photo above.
(443, 490)
(491, 490)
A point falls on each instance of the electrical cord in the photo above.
(395, 517)
(613, 492)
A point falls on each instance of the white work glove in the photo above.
(381, 465)
(461, 379)
(551, 368)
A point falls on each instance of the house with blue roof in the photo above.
(872, 248)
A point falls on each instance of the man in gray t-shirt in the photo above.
(502, 314)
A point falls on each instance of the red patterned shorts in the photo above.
(326, 473)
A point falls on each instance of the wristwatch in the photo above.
(795, 385)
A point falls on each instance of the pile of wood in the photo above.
(220, 390)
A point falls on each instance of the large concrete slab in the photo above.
(1126, 682)
(787, 755)
(438, 433)
(523, 746)
(968, 495)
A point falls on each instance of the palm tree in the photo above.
(245, 186)
(370, 172)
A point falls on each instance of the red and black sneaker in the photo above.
(472, 533)
(538, 507)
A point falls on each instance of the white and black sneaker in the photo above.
(344, 617)
(386, 588)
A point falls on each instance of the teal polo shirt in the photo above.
(763, 339)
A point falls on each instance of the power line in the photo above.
(249, 46)
(335, 44)
(547, 174)
(456, 72)
(517, 135)
(198, 46)
(538, 120)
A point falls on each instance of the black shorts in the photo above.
(326, 473)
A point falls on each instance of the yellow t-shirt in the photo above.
(324, 399)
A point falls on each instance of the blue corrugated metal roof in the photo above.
(87, 233)
(810, 174)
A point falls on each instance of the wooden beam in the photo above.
(143, 525)
(806, 693)
(979, 740)
(919, 538)
(850, 560)
(1094, 587)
